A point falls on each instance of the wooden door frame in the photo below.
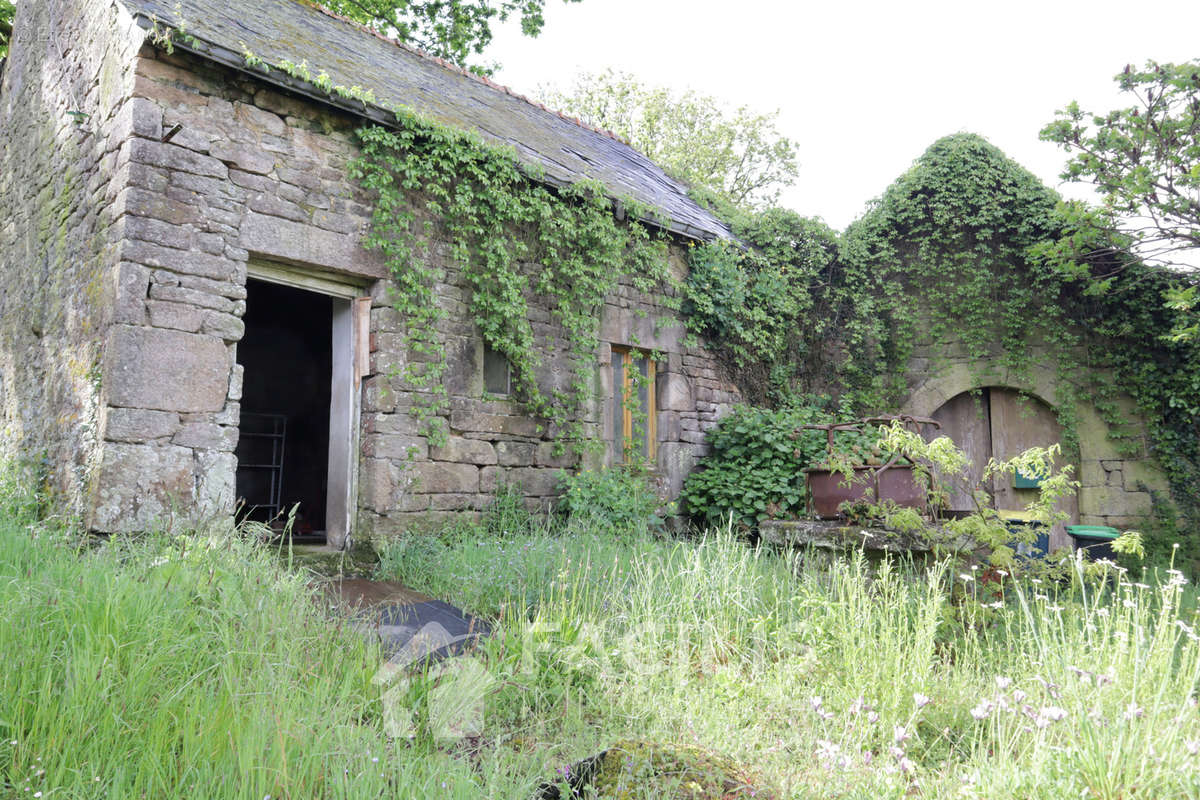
(350, 337)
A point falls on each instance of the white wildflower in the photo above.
(920, 700)
(1002, 682)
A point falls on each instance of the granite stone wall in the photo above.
(252, 175)
(66, 111)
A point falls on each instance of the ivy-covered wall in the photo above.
(967, 304)
(67, 112)
(951, 282)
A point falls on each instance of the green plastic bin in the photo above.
(1095, 540)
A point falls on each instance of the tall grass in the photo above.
(197, 666)
(180, 667)
(833, 679)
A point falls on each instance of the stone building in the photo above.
(190, 318)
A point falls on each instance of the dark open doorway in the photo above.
(283, 451)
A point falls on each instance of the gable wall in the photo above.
(1115, 486)
(60, 221)
(255, 174)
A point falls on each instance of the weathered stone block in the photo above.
(256, 118)
(295, 241)
(158, 232)
(463, 418)
(532, 481)
(547, 457)
(245, 157)
(674, 392)
(129, 301)
(377, 485)
(675, 461)
(396, 447)
(172, 157)
(274, 206)
(236, 380)
(1143, 473)
(206, 436)
(378, 395)
(231, 414)
(466, 451)
(195, 297)
(1091, 473)
(458, 502)
(137, 116)
(1111, 501)
(184, 261)
(226, 326)
(177, 316)
(155, 205)
(519, 454)
(138, 425)
(216, 483)
(443, 478)
(141, 486)
(165, 370)
(669, 426)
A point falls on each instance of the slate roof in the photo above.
(275, 30)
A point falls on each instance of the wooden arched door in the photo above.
(1001, 423)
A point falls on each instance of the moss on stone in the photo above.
(640, 769)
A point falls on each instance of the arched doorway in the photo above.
(997, 422)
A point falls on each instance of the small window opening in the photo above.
(497, 372)
(634, 404)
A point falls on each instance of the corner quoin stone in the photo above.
(165, 370)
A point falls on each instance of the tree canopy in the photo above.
(736, 154)
(456, 30)
(1145, 162)
(7, 12)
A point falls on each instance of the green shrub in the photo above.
(617, 500)
(755, 468)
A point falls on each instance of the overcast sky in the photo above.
(865, 87)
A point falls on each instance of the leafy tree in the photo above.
(1145, 162)
(7, 12)
(737, 155)
(455, 30)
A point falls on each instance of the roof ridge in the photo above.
(462, 71)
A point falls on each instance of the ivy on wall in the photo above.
(954, 255)
(516, 243)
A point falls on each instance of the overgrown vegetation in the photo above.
(791, 665)
(963, 254)
(754, 469)
(513, 241)
(198, 665)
